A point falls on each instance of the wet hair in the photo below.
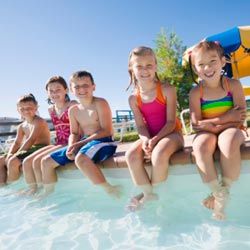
(80, 74)
(204, 46)
(60, 80)
(138, 51)
(27, 98)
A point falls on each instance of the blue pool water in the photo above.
(78, 216)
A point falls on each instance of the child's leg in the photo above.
(3, 171)
(37, 165)
(49, 176)
(134, 159)
(161, 154)
(94, 173)
(29, 172)
(204, 145)
(229, 142)
(13, 166)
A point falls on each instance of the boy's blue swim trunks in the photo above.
(97, 150)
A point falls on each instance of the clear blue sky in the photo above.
(42, 38)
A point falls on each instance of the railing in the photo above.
(7, 138)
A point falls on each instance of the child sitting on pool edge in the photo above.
(94, 144)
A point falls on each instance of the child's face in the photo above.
(144, 68)
(27, 110)
(208, 64)
(56, 92)
(82, 88)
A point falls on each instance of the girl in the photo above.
(218, 110)
(32, 134)
(154, 108)
(58, 97)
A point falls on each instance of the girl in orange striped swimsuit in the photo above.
(154, 108)
(218, 110)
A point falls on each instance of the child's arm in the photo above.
(17, 143)
(238, 113)
(74, 133)
(38, 127)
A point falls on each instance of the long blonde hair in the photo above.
(138, 51)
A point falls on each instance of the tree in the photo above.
(169, 51)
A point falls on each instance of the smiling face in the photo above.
(207, 60)
(56, 92)
(82, 88)
(27, 109)
(144, 68)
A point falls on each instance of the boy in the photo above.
(32, 134)
(94, 144)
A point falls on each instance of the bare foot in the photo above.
(220, 201)
(209, 202)
(114, 191)
(135, 203)
(27, 192)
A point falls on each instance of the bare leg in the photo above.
(13, 167)
(49, 174)
(204, 146)
(229, 143)
(161, 154)
(3, 171)
(95, 175)
(37, 163)
(134, 159)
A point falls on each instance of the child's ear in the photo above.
(223, 60)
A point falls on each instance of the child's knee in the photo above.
(205, 148)
(132, 156)
(81, 160)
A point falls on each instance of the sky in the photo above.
(43, 38)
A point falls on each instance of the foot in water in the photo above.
(217, 202)
(209, 202)
(137, 202)
(27, 192)
(115, 191)
(220, 201)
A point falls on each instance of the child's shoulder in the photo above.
(195, 91)
(233, 83)
(100, 100)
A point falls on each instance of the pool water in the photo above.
(78, 216)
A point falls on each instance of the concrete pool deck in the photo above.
(181, 162)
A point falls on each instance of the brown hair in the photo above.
(59, 80)
(80, 74)
(138, 51)
(205, 46)
(27, 98)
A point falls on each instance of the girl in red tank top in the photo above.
(154, 108)
(60, 103)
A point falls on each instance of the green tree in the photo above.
(169, 51)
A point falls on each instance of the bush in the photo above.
(127, 137)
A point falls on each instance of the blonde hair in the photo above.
(138, 51)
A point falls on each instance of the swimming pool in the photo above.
(78, 216)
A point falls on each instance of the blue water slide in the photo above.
(229, 40)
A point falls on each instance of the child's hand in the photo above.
(71, 151)
(146, 149)
(151, 143)
(237, 114)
